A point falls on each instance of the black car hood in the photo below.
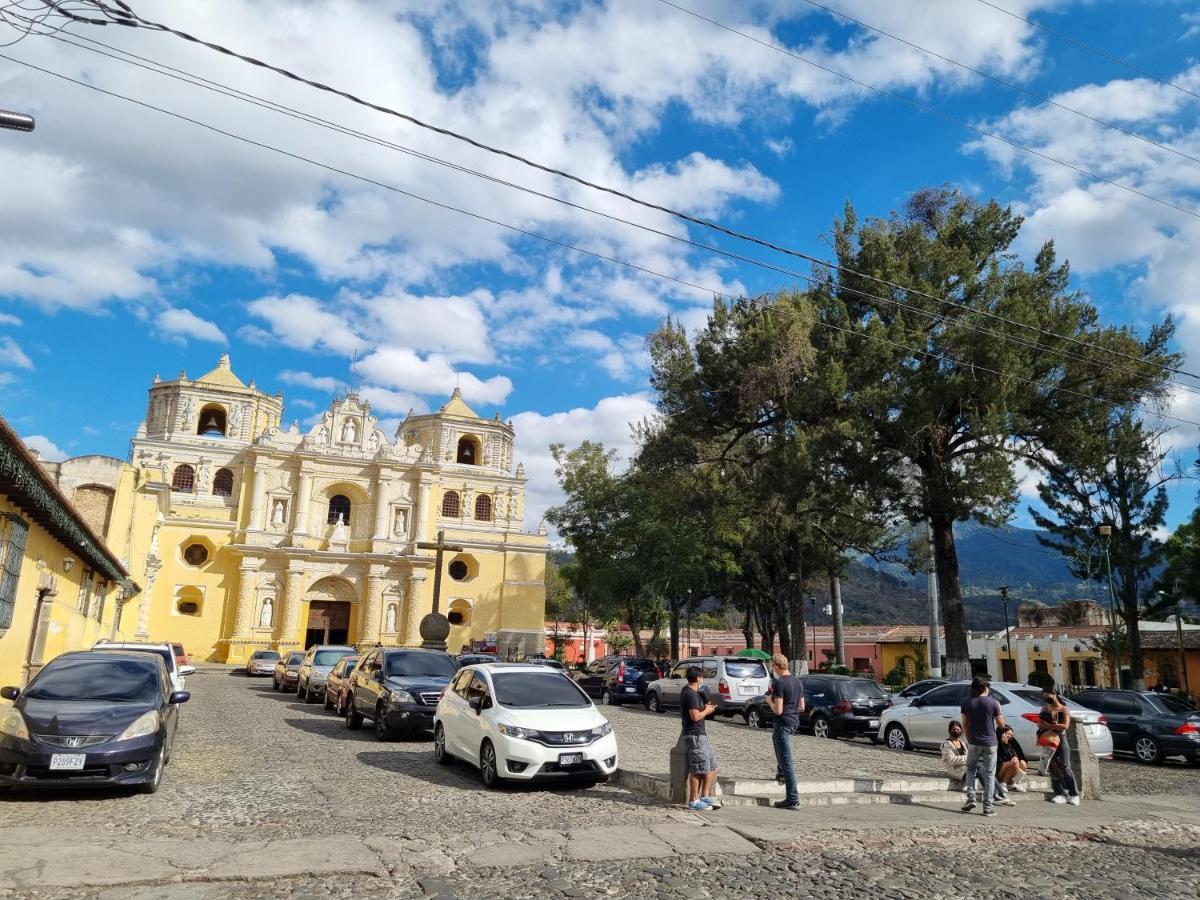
(417, 684)
(81, 716)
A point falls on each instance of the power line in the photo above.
(1090, 49)
(125, 16)
(616, 261)
(1008, 84)
(234, 93)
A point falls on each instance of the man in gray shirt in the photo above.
(981, 717)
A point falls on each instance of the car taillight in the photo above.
(620, 671)
(1103, 720)
(1188, 728)
(843, 706)
(723, 686)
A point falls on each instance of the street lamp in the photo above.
(1104, 532)
(1187, 689)
(1007, 633)
(15, 121)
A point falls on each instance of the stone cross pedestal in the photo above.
(1084, 762)
(679, 774)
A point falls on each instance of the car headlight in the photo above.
(601, 730)
(516, 731)
(401, 697)
(143, 725)
(13, 724)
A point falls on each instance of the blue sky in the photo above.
(134, 243)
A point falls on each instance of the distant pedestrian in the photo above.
(981, 716)
(1055, 718)
(694, 708)
(787, 701)
(954, 752)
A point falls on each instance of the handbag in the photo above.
(1048, 739)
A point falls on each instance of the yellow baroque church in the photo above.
(244, 535)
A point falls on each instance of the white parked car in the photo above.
(177, 672)
(523, 722)
(923, 722)
(910, 693)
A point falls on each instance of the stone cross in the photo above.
(441, 547)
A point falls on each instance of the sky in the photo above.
(134, 243)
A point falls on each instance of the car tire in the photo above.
(606, 698)
(440, 754)
(897, 738)
(753, 718)
(489, 766)
(328, 704)
(383, 731)
(353, 720)
(310, 695)
(152, 786)
(1147, 750)
(653, 703)
(274, 683)
(821, 727)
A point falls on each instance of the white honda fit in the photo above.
(523, 722)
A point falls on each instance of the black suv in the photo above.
(837, 705)
(398, 689)
(1149, 725)
(615, 680)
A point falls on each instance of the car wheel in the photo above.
(1148, 750)
(440, 754)
(274, 683)
(341, 706)
(897, 738)
(820, 727)
(489, 769)
(653, 703)
(328, 702)
(753, 719)
(383, 731)
(153, 784)
(606, 698)
(310, 696)
(353, 719)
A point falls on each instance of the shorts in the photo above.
(701, 757)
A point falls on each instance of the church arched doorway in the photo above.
(328, 623)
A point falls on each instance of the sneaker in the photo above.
(968, 806)
(1005, 801)
(1020, 788)
(1074, 801)
(711, 801)
(988, 811)
(1058, 798)
(786, 804)
(699, 806)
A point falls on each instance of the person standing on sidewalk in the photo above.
(787, 701)
(694, 708)
(981, 717)
(1062, 776)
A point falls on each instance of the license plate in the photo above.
(631, 690)
(570, 759)
(874, 723)
(69, 762)
(747, 689)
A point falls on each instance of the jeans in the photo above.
(1062, 776)
(781, 737)
(981, 761)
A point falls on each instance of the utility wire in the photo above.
(191, 78)
(1090, 49)
(125, 16)
(616, 261)
(1042, 98)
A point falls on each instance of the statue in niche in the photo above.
(278, 510)
(267, 613)
(390, 622)
(189, 412)
(339, 530)
(322, 435)
(235, 419)
(349, 432)
(400, 526)
(373, 441)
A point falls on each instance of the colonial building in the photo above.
(250, 535)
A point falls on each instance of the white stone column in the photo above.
(421, 532)
(1058, 670)
(382, 494)
(993, 657)
(244, 619)
(302, 502)
(369, 626)
(257, 493)
(415, 609)
(1024, 650)
(289, 630)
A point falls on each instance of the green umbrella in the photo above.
(754, 653)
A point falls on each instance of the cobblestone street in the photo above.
(268, 797)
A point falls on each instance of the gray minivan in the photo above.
(315, 668)
(729, 681)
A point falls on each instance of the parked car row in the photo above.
(1150, 726)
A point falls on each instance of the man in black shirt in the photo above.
(701, 757)
(787, 700)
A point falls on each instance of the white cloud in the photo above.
(322, 383)
(183, 323)
(608, 422)
(403, 369)
(1192, 20)
(7, 319)
(13, 355)
(303, 323)
(46, 447)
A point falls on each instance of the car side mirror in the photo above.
(187, 670)
(10, 693)
(476, 703)
(916, 701)
(178, 697)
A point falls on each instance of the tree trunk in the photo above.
(796, 607)
(748, 629)
(945, 561)
(673, 615)
(1131, 613)
(785, 638)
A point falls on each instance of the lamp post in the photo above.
(1187, 689)
(15, 121)
(1104, 532)
(1007, 632)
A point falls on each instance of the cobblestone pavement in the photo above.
(268, 797)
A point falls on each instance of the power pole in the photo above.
(839, 642)
(935, 635)
(15, 121)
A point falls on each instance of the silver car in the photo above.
(924, 721)
(729, 681)
(262, 662)
(315, 669)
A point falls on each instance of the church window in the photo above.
(458, 570)
(223, 483)
(468, 451)
(211, 422)
(339, 505)
(483, 508)
(12, 556)
(450, 504)
(184, 479)
(195, 554)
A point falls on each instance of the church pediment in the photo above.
(347, 428)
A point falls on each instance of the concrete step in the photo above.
(940, 798)
(755, 787)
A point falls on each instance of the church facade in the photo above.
(247, 535)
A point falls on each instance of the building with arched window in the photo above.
(246, 533)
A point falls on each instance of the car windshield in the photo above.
(294, 659)
(418, 665)
(329, 657)
(528, 690)
(121, 680)
(265, 654)
(745, 669)
(1171, 704)
(178, 648)
(862, 689)
(642, 665)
